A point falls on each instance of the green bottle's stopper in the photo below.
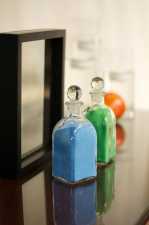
(97, 83)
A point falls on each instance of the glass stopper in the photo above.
(74, 93)
(97, 83)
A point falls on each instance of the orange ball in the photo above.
(116, 103)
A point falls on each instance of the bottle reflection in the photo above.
(74, 205)
(105, 188)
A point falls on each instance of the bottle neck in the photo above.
(97, 98)
(74, 109)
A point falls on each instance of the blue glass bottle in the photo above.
(74, 143)
(74, 205)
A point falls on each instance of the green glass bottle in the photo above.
(104, 122)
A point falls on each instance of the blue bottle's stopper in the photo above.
(74, 93)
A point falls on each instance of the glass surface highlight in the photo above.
(32, 95)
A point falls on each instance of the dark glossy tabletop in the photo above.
(119, 196)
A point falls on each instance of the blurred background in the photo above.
(107, 38)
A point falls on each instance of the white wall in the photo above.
(125, 25)
(118, 24)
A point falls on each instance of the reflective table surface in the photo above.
(119, 196)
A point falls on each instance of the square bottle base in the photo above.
(74, 183)
(104, 164)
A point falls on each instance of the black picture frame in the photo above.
(11, 163)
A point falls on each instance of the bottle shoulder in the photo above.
(98, 108)
(72, 123)
(102, 112)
